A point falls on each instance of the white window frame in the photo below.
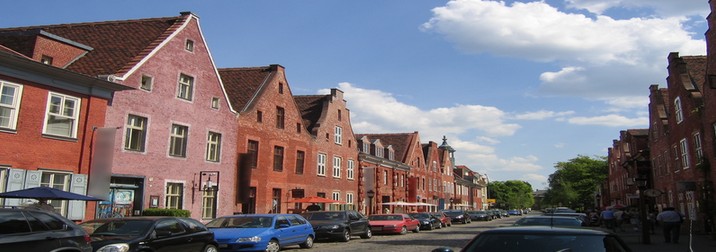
(138, 124)
(321, 164)
(684, 153)
(174, 199)
(698, 149)
(215, 102)
(49, 180)
(391, 154)
(350, 170)
(74, 117)
(349, 198)
(378, 151)
(336, 196)
(189, 45)
(176, 135)
(337, 166)
(385, 177)
(208, 204)
(13, 105)
(338, 135)
(185, 88)
(213, 147)
(146, 83)
(366, 145)
(678, 110)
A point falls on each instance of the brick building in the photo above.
(628, 161)
(441, 178)
(383, 170)
(48, 117)
(170, 147)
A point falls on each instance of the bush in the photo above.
(166, 212)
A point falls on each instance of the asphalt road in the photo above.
(453, 237)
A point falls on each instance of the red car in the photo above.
(393, 223)
(444, 219)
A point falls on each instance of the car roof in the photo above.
(544, 230)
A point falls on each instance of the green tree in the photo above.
(511, 194)
(574, 182)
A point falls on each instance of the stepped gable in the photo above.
(311, 107)
(117, 46)
(244, 83)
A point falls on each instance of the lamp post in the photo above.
(598, 204)
(370, 195)
(450, 203)
(641, 183)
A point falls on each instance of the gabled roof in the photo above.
(244, 84)
(399, 141)
(311, 107)
(116, 46)
(696, 67)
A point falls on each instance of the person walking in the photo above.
(607, 217)
(671, 221)
(619, 216)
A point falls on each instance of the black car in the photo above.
(458, 216)
(159, 233)
(480, 215)
(22, 229)
(339, 225)
(544, 238)
(427, 221)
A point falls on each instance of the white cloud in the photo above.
(600, 56)
(559, 145)
(617, 104)
(611, 120)
(536, 180)
(487, 140)
(660, 7)
(541, 115)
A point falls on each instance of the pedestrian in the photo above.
(671, 221)
(619, 216)
(607, 217)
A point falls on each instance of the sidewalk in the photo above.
(690, 243)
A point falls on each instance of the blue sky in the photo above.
(515, 86)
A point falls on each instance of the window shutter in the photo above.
(15, 181)
(76, 208)
(32, 179)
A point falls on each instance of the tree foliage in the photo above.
(511, 194)
(574, 182)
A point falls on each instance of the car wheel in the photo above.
(417, 229)
(273, 246)
(404, 230)
(368, 234)
(308, 243)
(440, 226)
(210, 248)
(346, 235)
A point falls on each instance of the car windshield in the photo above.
(242, 222)
(546, 242)
(327, 216)
(385, 217)
(420, 215)
(118, 227)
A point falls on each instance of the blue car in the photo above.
(261, 232)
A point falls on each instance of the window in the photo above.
(189, 45)
(213, 147)
(350, 169)
(385, 177)
(300, 159)
(402, 180)
(338, 135)
(349, 198)
(321, 171)
(280, 88)
(378, 151)
(57, 180)
(336, 196)
(136, 133)
(62, 115)
(178, 140)
(173, 196)
(278, 158)
(186, 87)
(280, 117)
(298, 127)
(47, 60)
(259, 116)
(678, 110)
(9, 104)
(391, 154)
(208, 204)
(276, 200)
(337, 167)
(147, 82)
(684, 154)
(366, 147)
(340, 116)
(215, 102)
(253, 152)
(697, 148)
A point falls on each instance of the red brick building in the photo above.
(170, 143)
(709, 119)
(48, 116)
(441, 178)
(383, 172)
(628, 161)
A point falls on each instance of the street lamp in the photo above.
(450, 203)
(370, 195)
(598, 205)
(641, 183)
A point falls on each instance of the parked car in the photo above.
(339, 224)
(22, 229)
(393, 223)
(541, 220)
(444, 219)
(541, 238)
(458, 216)
(494, 213)
(514, 212)
(479, 215)
(427, 221)
(581, 216)
(264, 232)
(157, 233)
(504, 213)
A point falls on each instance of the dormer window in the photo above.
(47, 60)
(189, 45)
(391, 154)
(379, 152)
(366, 144)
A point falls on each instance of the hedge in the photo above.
(166, 212)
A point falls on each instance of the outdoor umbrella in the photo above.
(314, 199)
(46, 193)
